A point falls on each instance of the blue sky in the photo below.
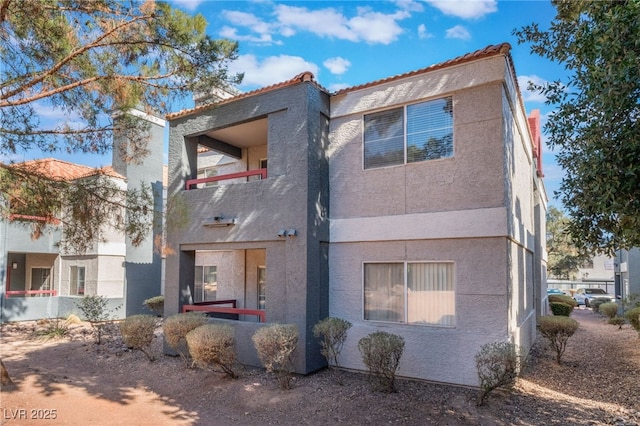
(346, 43)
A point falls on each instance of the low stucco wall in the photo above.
(35, 308)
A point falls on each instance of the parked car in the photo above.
(555, 291)
(584, 296)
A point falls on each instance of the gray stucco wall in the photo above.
(294, 196)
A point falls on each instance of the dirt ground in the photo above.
(71, 381)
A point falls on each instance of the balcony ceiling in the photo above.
(245, 135)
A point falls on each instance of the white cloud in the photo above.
(459, 32)
(368, 26)
(466, 9)
(190, 5)
(423, 33)
(337, 65)
(248, 20)
(528, 95)
(338, 86)
(232, 33)
(409, 5)
(271, 70)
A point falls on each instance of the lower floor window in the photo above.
(410, 292)
(76, 280)
(206, 284)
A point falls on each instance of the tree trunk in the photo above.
(5, 380)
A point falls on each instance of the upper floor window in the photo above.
(417, 132)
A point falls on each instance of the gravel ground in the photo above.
(598, 383)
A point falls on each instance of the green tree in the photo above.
(564, 257)
(595, 126)
(93, 61)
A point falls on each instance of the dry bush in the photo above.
(633, 316)
(175, 330)
(213, 345)
(609, 310)
(155, 304)
(381, 353)
(275, 345)
(563, 299)
(334, 333)
(557, 330)
(498, 365)
(138, 333)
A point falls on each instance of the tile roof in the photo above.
(65, 171)
(306, 76)
(489, 51)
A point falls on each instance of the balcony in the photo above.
(229, 176)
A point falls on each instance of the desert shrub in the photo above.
(562, 309)
(333, 333)
(619, 321)
(53, 328)
(595, 305)
(155, 304)
(137, 333)
(558, 330)
(381, 353)
(95, 310)
(609, 310)
(213, 345)
(563, 299)
(497, 364)
(175, 329)
(633, 316)
(275, 345)
(631, 301)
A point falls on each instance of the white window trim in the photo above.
(405, 263)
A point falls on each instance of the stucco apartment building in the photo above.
(413, 205)
(41, 280)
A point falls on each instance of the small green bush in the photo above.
(631, 301)
(381, 353)
(155, 304)
(633, 316)
(563, 299)
(497, 364)
(595, 305)
(95, 310)
(562, 309)
(138, 333)
(609, 310)
(558, 330)
(619, 321)
(55, 328)
(175, 330)
(333, 332)
(213, 345)
(275, 345)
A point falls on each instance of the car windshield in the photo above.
(595, 291)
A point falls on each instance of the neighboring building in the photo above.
(627, 273)
(595, 272)
(41, 281)
(413, 205)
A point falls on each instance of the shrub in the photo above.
(633, 316)
(619, 321)
(381, 353)
(595, 305)
(562, 309)
(94, 309)
(213, 345)
(175, 329)
(609, 310)
(631, 301)
(155, 304)
(563, 299)
(557, 330)
(334, 333)
(138, 332)
(275, 345)
(497, 364)
(55, 328)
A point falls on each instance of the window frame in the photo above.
(201, 296)
(74, 271)
(405, 136)
(405, 321)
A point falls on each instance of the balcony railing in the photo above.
(213, 306)
(29, 293)
(257, 172)
(49, 220)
